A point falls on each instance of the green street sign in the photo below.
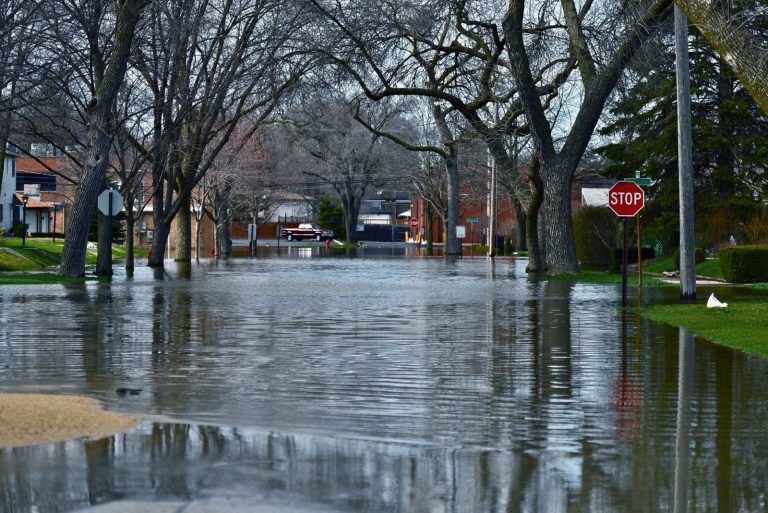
(639, 180)
(473, 220)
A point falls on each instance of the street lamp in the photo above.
(24, 200)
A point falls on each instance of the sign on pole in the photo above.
(414, 223)
(110, 203)
(626, 199)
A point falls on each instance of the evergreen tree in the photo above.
(331, 216)
(729, 137)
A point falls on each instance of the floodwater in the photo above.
(381, 382)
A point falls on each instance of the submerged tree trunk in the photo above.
(536, 260)
(561, 248)
(98, 139)
(521, 241)
(452, 242)
(430, 217)
(130, 223)
(350, 207)
(184, 231)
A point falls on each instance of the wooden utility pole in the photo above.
(685, 160)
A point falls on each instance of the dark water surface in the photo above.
(382, 383)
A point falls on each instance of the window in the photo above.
(13, 168)
(2, 209)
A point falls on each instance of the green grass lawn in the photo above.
(708, 268)
(742, 326)
(40, 254)
(38, 279)
(606, 278)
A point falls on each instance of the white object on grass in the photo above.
(713, 302)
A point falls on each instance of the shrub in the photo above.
(46, 235)
(594, 230)
(508, 247)
(19, 228)
(745, 264)
(699, 256)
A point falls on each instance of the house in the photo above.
(8, 188)
(385, 207)
(291, 207)
(41, 176)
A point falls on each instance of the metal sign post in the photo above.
(626, 199)
(110, 204)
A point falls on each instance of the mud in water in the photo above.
(27, 419)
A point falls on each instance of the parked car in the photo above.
(307, 231)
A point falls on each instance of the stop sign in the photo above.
(626, 199)
(414, 222)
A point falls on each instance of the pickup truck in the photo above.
(307, 231)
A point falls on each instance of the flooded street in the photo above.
(376, 382)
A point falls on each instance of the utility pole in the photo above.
(492, 211)
(684, 157)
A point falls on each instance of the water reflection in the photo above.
(382, 384)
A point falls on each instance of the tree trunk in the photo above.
(98, 140)
(736, 45)
(536, 260)
(159, 242)
(561, 248)
(198, 228)
(452, 242)
(224, 238)
(184, 231)
(350, 207)
(429, 215)
(130, 223)
(521, 240)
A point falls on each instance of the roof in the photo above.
(291, 196)
(594, 197)
(33, 203)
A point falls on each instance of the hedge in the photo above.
(745, 264)
(594, 231)
(47, 235)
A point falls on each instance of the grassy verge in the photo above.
(708, 268)
(605, 278)
(39, 254)
(38, 279)
(742, 326)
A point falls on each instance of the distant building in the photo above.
(8, 188)
(385, 207)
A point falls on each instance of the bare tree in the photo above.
(340, 152)
(108, 57)
(600, 67)
(19, 26)
(208, 64)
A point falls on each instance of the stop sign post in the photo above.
(626, 199)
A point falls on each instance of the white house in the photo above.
(8, 188)
(288, 206)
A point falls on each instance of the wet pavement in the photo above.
(367, 380)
